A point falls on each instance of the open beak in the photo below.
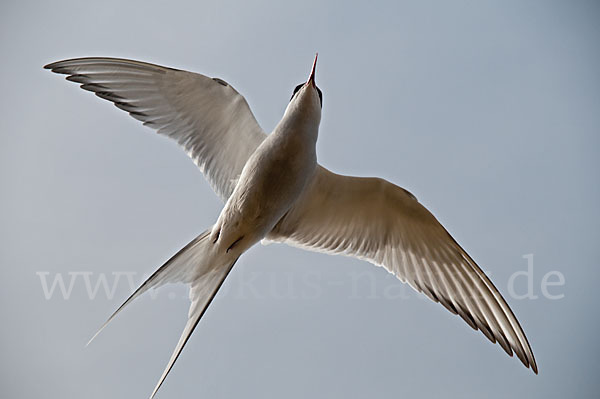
(311, 77)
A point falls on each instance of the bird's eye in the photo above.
(320, 96)
(296, 90)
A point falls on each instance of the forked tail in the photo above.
(195, 264)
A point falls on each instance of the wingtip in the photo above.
(531, 363)
(50, 65)
(534, 367)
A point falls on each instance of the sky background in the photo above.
(487, 111)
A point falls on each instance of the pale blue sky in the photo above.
(487, 111)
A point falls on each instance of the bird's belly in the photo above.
(267, 188)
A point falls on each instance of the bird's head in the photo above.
(307, 99)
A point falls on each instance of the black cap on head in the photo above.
(311, 80)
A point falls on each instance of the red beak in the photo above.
(311, 77)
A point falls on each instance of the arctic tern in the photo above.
(274, 190)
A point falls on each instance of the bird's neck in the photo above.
(297, 124)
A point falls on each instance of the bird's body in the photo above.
(274, 190)
(273, 178)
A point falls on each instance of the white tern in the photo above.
(274, 190)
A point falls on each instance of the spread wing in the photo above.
(374, 220)
(206, 116)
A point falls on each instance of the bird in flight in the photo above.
(275, 191)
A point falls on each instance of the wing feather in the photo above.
(206, 116)
(374, 220)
